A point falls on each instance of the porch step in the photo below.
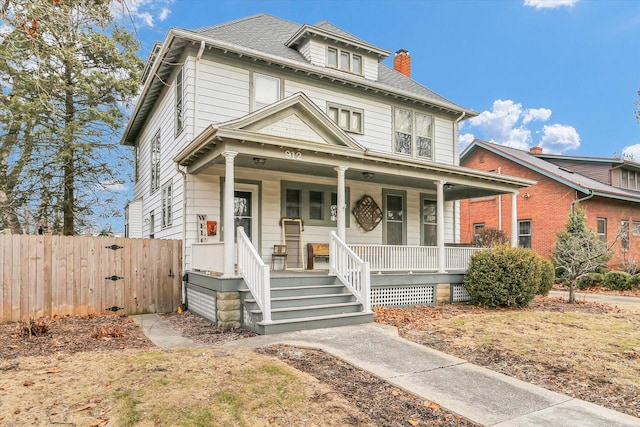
(304, 302)
(315, 322)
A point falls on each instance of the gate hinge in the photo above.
(114, 278)
(114, 308)
(114, 247)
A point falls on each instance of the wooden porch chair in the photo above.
(279, 251)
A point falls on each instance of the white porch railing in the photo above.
(352, 271)
(255, 274)
(413, 258)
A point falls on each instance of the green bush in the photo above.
(546, 274)
(634, 281)
(616, 280)
(505, 277)
(590, 280)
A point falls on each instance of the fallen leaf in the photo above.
(87, 406)
(414, 422)
(99, 423)
(395, 393)
(432, 405)
(53, 370)
(272, 420)
(4, 387)
(28, 383)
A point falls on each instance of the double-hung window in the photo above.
(344, 60)
(179, 105)
(429, 222)
(624, 234)
(348, 118)
(413, 133)
(167, 205)
(315, 204)
(155, 162)
(524, 233)
(602, 229)
(266, 90)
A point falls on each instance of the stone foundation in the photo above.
(228, 310)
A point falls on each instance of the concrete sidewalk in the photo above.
(620, 300)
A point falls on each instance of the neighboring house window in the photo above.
(155, 162)
(348, 118)
(635, 228)
(152, 225)
(524, 233)
(413, 133)
(624, 179)
(315, 204)
(266, 90)
(429, 223)
(344, 60)
(602, 229)
(629, 179)
(624, 234)
(179, 96)
(477, 228)
(167, 205)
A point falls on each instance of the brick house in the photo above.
(607, 188)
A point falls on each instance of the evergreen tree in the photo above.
(68, 70)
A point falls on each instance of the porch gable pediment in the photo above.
(294, 118)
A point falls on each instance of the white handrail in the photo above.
(352, 271)
(255, 274)
(413, 258)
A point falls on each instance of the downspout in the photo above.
(184, 231)
(499, 205)
(456, 235)
(587, 197)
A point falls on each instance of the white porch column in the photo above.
(514, 219)
(342, 206)
(440, 226)
(229, 229)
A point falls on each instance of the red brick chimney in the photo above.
(535, 150)
(402, 62)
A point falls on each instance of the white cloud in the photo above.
(532, 114)
(508, 123)
(112, 186)
(559, 138)
(145, 12)
(550, 4)
(632, 152)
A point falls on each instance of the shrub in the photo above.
(590, 280)
(504, 277)
(616, 280)
(490, 237)
(634, 281)
(546, 274)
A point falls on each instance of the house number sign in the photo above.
(292, 155)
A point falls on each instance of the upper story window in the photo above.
(629, 179)
(413, 133)
(348, 118)
(155, 162)
(167, 205)
(179, 106)
(266, 90)
(344, 60)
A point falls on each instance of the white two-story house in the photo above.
(300, 135)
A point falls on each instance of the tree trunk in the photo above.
(572, 293)
(68, 202)
(9, 216)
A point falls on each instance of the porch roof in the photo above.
(325, 147)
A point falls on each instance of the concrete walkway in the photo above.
(476, 393)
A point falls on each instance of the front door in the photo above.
(394, 217)
(245, 211)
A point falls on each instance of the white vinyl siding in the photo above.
(179, 101)
(444, 142)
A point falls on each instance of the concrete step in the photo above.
(316, 322)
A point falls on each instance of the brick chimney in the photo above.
(402, 62)
(535, 150)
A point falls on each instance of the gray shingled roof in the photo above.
(563, 175)
(268, 34)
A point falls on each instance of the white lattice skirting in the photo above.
(403, 295)
(459, 294)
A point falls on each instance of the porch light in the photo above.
(259, 160)
(449, 186)
(368, 175)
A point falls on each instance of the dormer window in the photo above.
(344, 60)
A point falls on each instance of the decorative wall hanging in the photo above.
(367, 213)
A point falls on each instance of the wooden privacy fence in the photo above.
(60, 275)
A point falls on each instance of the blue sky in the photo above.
(563, 74)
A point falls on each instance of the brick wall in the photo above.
(547, 204)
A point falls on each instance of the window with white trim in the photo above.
(413, 133)
(179, 97)
(602, 229)
(477, 229)
(167, 205)
(348, 118)
(155, 162)
(524, 233)
(266, 90)
(429, 222)
(635, 228)
(344, 60)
